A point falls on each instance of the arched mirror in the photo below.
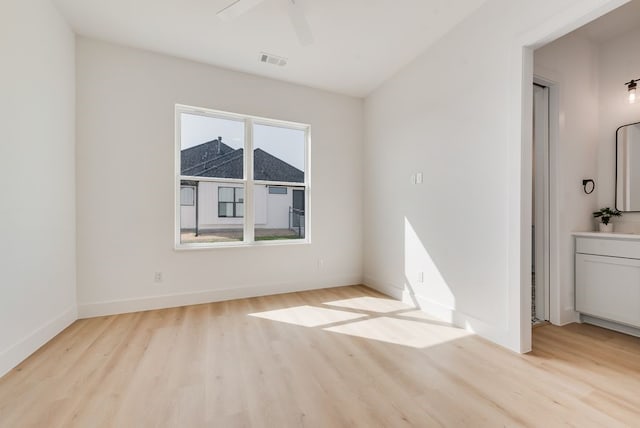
(628, 167)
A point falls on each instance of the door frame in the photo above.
(293, 199)
(541, 189)
(519, 156)
(554, 290)
(549, 195)
(293, 205)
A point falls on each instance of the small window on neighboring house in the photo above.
(230, 202)
(277, 190)
(187, 195)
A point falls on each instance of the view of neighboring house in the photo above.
(212, 206)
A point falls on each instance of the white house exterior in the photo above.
(272, 207)
(210, 205)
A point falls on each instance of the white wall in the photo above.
(37, 214)
(618, 63)
(188, 212)
(208, 207)
(455, 114)
(277, 209)
(260, 195)
(571, 64)
(125, 145)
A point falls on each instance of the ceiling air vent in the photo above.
(268, 58)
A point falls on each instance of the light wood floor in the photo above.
(331, 358)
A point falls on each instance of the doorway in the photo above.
(297, 221)
(560, 304)
(540, 230)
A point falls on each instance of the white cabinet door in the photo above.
(609, 288)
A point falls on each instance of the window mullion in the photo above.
(249, 211)
(307, 184)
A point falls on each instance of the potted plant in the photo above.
(605, 214)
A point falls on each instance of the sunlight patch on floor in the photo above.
(371, 304)
(415, 334)
(308, 316)
(421, 315)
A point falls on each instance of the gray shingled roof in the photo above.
(216, 159)
(270, 168)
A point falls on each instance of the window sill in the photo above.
(220, 245)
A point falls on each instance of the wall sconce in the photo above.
(631, 87)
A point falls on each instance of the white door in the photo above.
(540, 205)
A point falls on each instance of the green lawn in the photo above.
(276, 237)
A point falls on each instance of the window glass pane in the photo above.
(225, 209)
(278, 154)
(209, 220)
(279, 216)
(278, 190)
(225, 194)
(211, 147)
(187, 195)
(230, 202)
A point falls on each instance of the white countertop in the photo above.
(614, 235)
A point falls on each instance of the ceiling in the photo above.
(614, 24)
(357, 43)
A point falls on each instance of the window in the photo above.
(277, 190)
(230, 202)
(187, 196)
(241, 179)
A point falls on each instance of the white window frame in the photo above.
(247, 181)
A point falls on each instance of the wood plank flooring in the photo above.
(342, 357)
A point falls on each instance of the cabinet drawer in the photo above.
(608, 247)
(609, 288)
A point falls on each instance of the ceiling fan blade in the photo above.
(300, 23)
(237, 8)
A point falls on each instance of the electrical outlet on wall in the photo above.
(157, 277)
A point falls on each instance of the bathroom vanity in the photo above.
(607, 265)
(607, 280)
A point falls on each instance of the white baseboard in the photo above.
(18, 352)
(386, 289)
(633, 331)
(568, 316)
(97, 309)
